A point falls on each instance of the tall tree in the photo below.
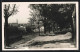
(74, 25)
(8, 11)
(60, 13)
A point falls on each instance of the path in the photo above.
(39, 42)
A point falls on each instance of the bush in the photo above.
(29, 30)
(63, 31)
(13, 31)
(13, 34)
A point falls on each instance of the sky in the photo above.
(22, 16)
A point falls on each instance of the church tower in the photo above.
(17, 21)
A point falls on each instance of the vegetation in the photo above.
(8, 11)
(55, 16)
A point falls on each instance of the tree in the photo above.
(74, 25)
(8, 11)
(42, 13)
(58, 13)
(70, 18)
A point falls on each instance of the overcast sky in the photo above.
(23, 14)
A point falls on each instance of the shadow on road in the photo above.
(47, 42)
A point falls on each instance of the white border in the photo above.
(77, 27)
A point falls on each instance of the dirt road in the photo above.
(40, 42)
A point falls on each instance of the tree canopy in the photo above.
(60, 13)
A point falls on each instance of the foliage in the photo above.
(59, 13)
(63, 15)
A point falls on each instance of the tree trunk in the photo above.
(44, 25)
(6, 22)
(44, 29)
(52, 28)
(49, 29)
(73, 25)
(39, 29)
(6, 32)
(73, 30)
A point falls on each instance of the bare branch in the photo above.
(8, 7)
(12, 10)
(5, 10)
(5, 6)
(9, 11)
